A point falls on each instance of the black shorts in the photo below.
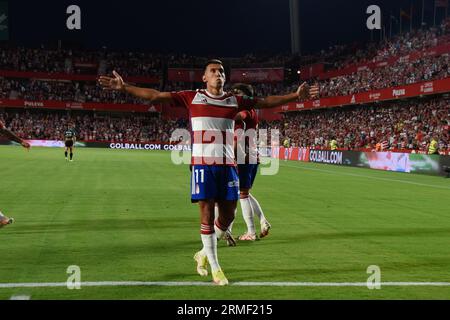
(69, 143)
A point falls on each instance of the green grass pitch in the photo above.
(127, 216)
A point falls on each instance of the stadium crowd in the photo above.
(397, 125)
(337, 56)
(73, 91)
(401, 126)
(405, 125)
(89, 126)
(401, 73)
(52, 60)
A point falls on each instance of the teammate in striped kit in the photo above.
(248, 120)
(214, 176)
(4, 220)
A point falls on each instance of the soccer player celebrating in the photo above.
(4, 220)
(69, 141)
(248, 120)
(214, 176)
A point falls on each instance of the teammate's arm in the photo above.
(241, 116)
(12, 136)
(303, 92)
(117, 83)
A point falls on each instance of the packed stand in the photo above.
(339, 57)
(90, 126)
(37, 90)
(402, 73)
(80, 62)
(403, 125)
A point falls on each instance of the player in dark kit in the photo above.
(4, 220)
(69, 141)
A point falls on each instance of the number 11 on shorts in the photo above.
(202, 175)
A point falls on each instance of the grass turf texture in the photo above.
(127, 216)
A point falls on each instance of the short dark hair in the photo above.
(246, 89)
(212, 61)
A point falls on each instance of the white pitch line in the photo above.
(18, 297)
(202, 284)
(370, 177)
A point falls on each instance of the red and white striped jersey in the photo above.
(212, 124)
(384, 145)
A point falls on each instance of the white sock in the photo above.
(210, 249)
(256, 208)
(247, 213)
(219, 232)
(1, 215)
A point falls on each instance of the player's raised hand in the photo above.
(26, 145)
(112, 83)
(304, 91)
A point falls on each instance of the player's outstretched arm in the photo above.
(11, 136)
(303, 92)
(117, 83)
